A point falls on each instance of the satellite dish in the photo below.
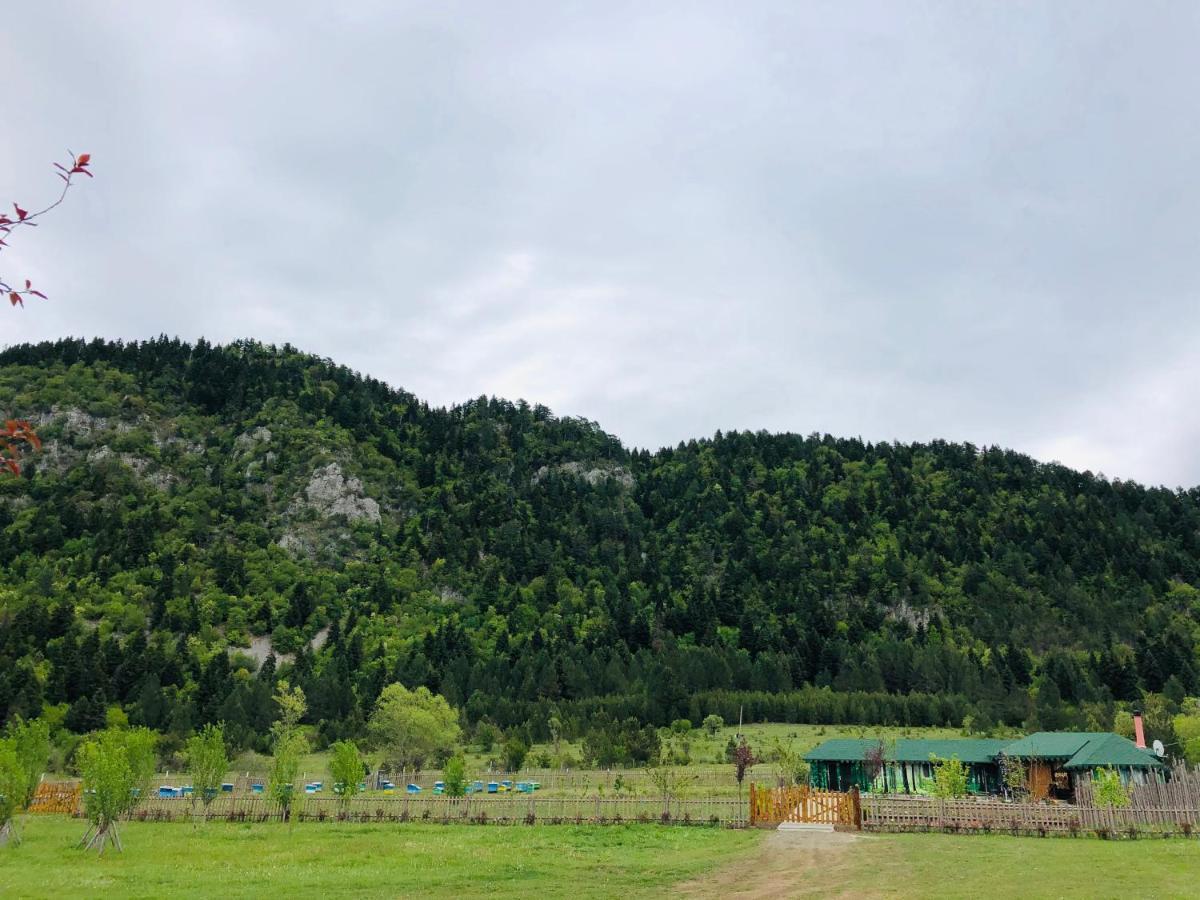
(1159, 749)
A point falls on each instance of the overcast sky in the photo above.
(902, 221)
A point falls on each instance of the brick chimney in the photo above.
(1139, 733)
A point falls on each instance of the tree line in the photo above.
(528, 567)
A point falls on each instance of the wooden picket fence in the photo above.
(804, 805)
(703, 780)
(1172, 807)
(887, 813)
(1174, 802)
(475, 809)
(57, 797)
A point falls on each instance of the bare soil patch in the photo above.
(783, 866)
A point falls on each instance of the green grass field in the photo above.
(163, 860)
(223, 860)
(1008, 868)
(711, 778)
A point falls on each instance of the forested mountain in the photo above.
(199, 510)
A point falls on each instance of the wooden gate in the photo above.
(804, 805)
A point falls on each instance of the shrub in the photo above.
(486, 734)
(455, 776)
(949, 778)
(345, 768)
(1108, 790)
(515, 751)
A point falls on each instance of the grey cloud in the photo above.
(974, 222)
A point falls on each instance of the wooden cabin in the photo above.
(1055, 759)
(838, 765)
(1052, 761)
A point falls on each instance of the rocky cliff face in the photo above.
(592, 473)
(319, 513)
(75, 437)
(332, 495)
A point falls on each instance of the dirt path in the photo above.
(783, 866)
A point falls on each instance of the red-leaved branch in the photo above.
(17, 434)
(13, 435)
(11, 224)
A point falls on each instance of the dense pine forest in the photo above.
(204, 520)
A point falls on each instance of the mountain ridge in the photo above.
(202, 496)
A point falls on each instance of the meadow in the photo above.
(705, 775)
(224, 860)
(632, 861)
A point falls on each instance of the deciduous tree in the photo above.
(345, 770)
(411, 726)
(788, 764)
(743, 760)
(515, 751)
(288, 747)
(31, 740)
(12, 787)
(116, 765)
(208, 762)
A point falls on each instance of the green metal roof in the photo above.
(968, 750)
(1076, 749)
(1050, 744)
(840, 750)
(1113, 750)
(1083, 749)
